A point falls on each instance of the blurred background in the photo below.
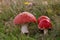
(10, 8)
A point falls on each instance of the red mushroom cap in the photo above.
(42, 17)
(24, 17)
(44, 22)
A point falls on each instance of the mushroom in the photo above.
(24, 19)
(44, 23)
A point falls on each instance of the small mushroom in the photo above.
(24, 19)
(44, 23)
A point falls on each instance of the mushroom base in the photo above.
(45, 31)
(24, 28)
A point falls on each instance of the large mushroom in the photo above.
(24, 19)
(44, 23)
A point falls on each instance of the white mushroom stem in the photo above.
(45, 31)
(24, 28)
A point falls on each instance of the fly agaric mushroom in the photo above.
(24, 19)
(44, 23)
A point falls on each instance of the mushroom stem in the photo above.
(24, 28)
(45, 31)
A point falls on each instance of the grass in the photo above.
(9, 31)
